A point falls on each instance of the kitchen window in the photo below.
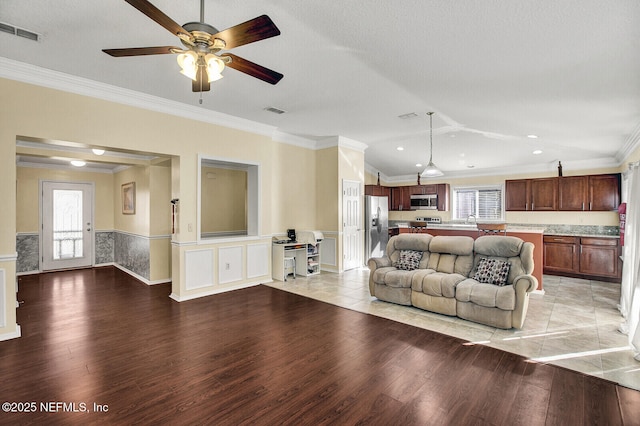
(485, 203)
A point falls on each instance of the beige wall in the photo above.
(223, 200)
(48, 114)
(293, 189)
(28, 203)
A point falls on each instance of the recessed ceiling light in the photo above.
(537, 152)
(400, 148)
(98, 151)
(470, 166)
(532, 136)
(78, 163)
(418, 165)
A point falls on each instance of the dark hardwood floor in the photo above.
(265, 356)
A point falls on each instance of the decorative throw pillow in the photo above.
(409, 260)
(492, 271)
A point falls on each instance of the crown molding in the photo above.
(630, 146)
(31, 74)
(340, 141)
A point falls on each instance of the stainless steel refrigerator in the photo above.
(376, 213)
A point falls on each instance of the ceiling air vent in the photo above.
(274, 110)
(19, 32)
(408, 115)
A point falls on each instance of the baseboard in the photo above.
(141, 278)
(13, 335)
(215, 291)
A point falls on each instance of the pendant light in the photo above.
(431, 170)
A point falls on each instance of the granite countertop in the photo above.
(570, 230)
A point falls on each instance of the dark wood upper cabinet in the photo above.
(604, 192)
(544, 194)
(531, 194)
(572, 192)
(517, 195)
(424, 189)
(377, 190)
(443, 197)
(401, 198)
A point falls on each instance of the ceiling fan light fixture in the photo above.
(215, 66)
(188, 61)
(431, 170)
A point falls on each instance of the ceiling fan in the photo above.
(199, 59)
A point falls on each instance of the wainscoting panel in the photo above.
(28, 249)
(328, 251)
(198, 268)
(229, 264)
(257, 260)
(104, 247)
(132, 253)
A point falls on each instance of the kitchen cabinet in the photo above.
(531, 194)
(401, 198)
(604, 192)
(600, 257)
(401, 195)
(443, 197)
(560, 254)
(585, 257)
(377, 190)
(424, 189)
(589, 193)
(572, 192)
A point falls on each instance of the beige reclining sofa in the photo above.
(486, 281)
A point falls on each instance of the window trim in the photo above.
(454, 195)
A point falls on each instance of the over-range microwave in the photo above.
(424, 202)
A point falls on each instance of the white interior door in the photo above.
(352, 224)
(67, 225)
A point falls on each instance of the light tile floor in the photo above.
(573, 325)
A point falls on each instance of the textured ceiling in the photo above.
(494, 71)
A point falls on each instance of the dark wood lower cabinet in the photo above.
(584, 257)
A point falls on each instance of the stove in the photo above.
(429, 219)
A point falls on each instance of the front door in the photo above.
(67, 225)
(352, 224)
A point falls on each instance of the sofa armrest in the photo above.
(525, 283)
(523, 286)
(378, 262)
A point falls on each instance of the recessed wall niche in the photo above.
(227, 198)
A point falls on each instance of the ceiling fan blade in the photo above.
(248, 32)
(157, 15)
(140, 51)
(253, 69)
(202, 83)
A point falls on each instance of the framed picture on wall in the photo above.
(129, 198)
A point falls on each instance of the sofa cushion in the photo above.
(437, 284)
(492, 271)
(394, 277)
(451, 254)
(409, 260)
(487, 295)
